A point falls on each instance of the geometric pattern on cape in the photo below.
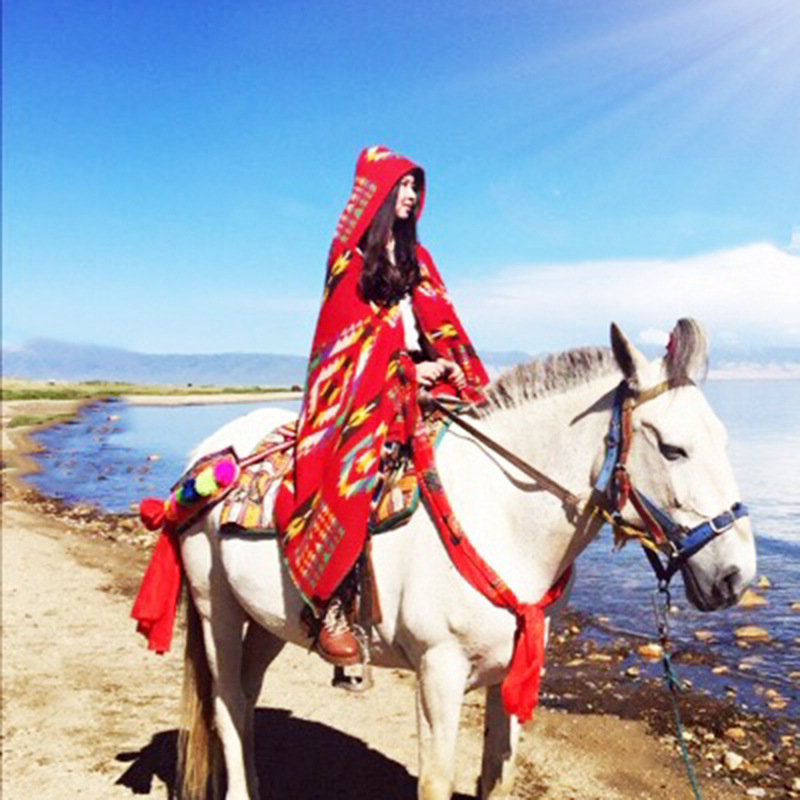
(250, 506)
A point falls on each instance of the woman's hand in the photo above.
(429, 372)
(454, 374)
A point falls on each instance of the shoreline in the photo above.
(17, 444)
(581, 678)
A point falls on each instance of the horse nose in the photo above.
(729, 587)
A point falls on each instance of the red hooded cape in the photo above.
(360, 385)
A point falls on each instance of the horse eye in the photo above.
(672, 452)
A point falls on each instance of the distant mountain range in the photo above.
(47, 359)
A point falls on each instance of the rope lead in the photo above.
(672, 680)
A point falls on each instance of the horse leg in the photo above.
(501, 734)
(222, 634)
(441, 679)
(500, 740)
(259, 650)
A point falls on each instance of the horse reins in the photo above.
(570, 501)
(659, 533)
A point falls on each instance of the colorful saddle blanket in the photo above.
(250, 504)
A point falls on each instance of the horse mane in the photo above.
(687, 352)
(686, 359)
(552, 374)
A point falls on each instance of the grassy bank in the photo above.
(29, 420)
(23, 389)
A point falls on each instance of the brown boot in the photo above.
(336, 643)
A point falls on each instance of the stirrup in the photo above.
(356, 678)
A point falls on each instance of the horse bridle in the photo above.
(659, 534)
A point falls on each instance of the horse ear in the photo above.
(687, 351)
(628, 357)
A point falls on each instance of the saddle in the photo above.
(248, 505)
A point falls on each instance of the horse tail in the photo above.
(198, 745)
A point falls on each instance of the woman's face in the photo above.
(406, 197)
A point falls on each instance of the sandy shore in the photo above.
(88, 712)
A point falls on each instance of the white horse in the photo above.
(554, 414)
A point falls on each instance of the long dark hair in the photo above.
(382, 281)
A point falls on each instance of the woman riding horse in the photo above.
(386, 327)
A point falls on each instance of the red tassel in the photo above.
(157, 600)
(151, 512)
(520, 688)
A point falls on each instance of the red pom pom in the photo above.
(151, 512)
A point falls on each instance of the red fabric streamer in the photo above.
(157, 600)
(520, 688)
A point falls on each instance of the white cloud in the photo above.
(750, 295)
(653, 336)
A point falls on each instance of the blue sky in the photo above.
(173, 172)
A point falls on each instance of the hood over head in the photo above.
(378, 169)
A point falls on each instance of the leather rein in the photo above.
(659, 535)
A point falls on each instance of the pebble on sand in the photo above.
(736, 734)
(752, 633)
(732, 760)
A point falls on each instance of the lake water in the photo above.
(115, 454)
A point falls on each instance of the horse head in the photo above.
(678, 470)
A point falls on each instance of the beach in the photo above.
(89, 712)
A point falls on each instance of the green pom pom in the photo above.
(205, 484)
